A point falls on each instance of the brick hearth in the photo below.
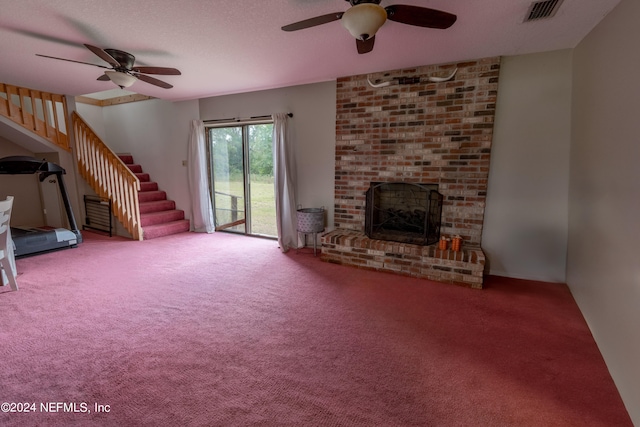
(352, 248)
(422, 132)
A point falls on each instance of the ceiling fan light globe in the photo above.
(121, 79)
(364, 20)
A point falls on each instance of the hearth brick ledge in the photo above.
(353, 248)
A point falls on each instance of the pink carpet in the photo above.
(225, 330)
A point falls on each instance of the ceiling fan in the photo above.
(123, 72)
(365, 17)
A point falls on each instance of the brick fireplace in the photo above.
(438, 133)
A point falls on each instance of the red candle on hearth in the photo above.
(456, 243)
(442, 245)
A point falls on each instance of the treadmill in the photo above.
(31, 241)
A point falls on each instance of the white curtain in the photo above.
(201, 209)
(284, 175)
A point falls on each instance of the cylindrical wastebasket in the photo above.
(310, 220)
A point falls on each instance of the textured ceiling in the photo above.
(225, 47)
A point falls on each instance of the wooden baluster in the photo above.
(109, 176)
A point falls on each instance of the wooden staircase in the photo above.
(139, 206)
(158, 215)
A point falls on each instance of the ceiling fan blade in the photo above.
(365, 46)
(420, 16)
(71, 60)
(40, 36)
(104, 78)
(153, 81)
(103, 55)
(157, 70)
(312, 22)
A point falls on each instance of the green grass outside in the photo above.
(263, 205)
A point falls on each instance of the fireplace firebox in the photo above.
(403, 212)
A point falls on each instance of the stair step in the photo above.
(148, 186)
(126, 158)
(151, 196)
(154, 218)
(156, 206)
(143, 177)
(160, 230)
(135, 168)
(158, 216)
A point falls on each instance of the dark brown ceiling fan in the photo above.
(123, 71)
(365, 17)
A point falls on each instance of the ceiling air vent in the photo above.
(542, 10)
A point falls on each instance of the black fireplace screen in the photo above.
(403, 212)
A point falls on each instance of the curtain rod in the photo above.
(236, 119)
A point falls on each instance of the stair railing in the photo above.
(107, 174)
(40, 112)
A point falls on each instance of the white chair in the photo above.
(7, 257)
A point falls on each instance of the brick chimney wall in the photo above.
(425, 132)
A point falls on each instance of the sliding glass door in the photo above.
(241, 158)
(227, 168)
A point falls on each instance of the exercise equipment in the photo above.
(33, 240)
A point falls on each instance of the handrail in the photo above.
(234, 206)
(234, 212)
(40, 112)
(107, 174)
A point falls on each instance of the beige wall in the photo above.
(93, 115)
(603, 269)
(525, 225)
(312, 130)
(27, 206)
(156, 133)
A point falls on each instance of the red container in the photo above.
(456, 244)
(442, 245)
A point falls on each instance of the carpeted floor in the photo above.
(225, 330)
